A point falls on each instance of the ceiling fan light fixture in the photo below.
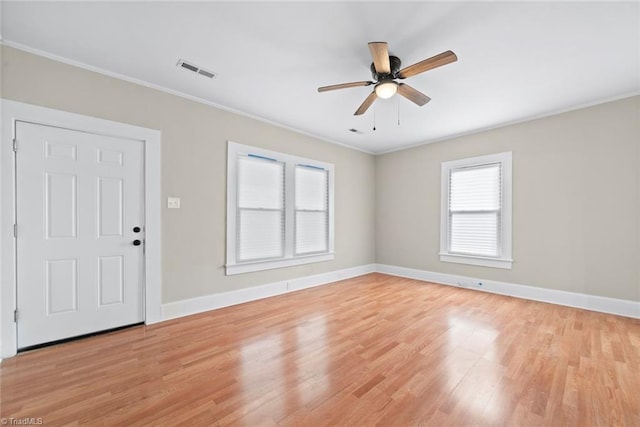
(386, 89)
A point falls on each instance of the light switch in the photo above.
(173, 202)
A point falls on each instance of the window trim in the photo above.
(233, 266)
(505, 260)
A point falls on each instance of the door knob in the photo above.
(136, 229)
(137, 242)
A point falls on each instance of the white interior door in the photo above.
(79, 200)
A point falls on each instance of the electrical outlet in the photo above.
(173, 202)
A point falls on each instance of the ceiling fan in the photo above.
(385, 70)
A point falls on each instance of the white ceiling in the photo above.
(516, 60)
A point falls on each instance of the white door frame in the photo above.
(13, 111)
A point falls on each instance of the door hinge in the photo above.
(15, 231)
(15, 145)
(15, 316)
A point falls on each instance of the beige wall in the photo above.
(194, 140)
(576, 187)
(576, 201)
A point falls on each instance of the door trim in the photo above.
(12, 112)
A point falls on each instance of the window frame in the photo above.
(233, 265)
(503, 261)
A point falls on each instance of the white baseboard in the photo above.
(190, 306)
(571, 299)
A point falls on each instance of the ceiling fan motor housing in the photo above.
(394, 63)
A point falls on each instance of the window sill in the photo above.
(248, 267)
(504, 263)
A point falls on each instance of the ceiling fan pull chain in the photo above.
(398, 104)
(374, 119)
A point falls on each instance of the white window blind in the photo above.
(474, 210)
(260, 214)
(311, 209)
(280, 210)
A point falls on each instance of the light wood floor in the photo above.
(374, 350)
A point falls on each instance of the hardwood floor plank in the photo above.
(372, 350)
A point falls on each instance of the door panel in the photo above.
(78, 197)
(110, 205)
(61, 278)
(111, 276)
(60, 205)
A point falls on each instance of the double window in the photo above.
(279, 210)
(476, 211)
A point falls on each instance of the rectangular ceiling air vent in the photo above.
(191, 67)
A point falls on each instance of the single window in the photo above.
(260, 222)
(279, 210)
(312, 209)
(476, 211)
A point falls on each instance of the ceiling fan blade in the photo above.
(428, 64)
(412, 94)
(366, 104)
(380, 55)
(344, 86)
